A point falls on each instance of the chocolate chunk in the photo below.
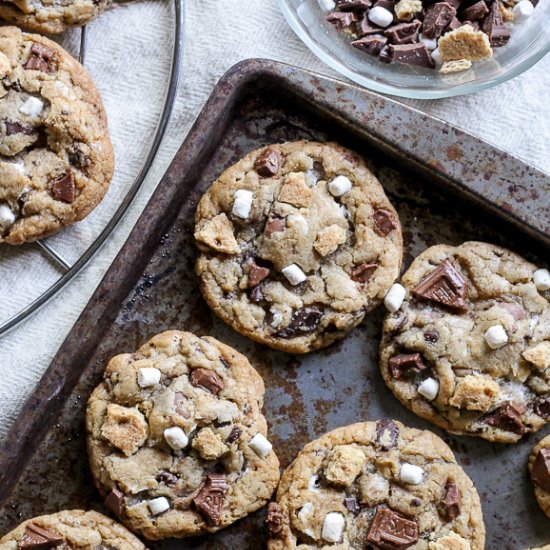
(437, 17)
(403, 33)
(114, 501)
(341, 20)
(168, 478)
(445, 286)
(385, 55)
(179, 405)
(411, 54)
(392, 531)
(209, 500)
(431, 336)
(387, 433)
(256, 274)
(41, 59)
(268, 163)
(208, 379)
(63, 188)
(494, 27)
(542, 408)
(234, 435)
(401, 365)
(256, 295)
(353, 5)
(371, 44)
(275, 518)
(274, 225)
(476, 11)
(78, 158)
(540, 472)
(364, 27)
(37, 538)
(384, 223)
(352, 506)
(303, 321)
(508, 418)
(453, 25)
(363, 272)
(386, 4)
(17, 128)
(450, 505)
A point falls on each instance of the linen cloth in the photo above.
(129, 57)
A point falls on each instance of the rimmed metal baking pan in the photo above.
(448, 186)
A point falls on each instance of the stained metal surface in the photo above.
(151, 287)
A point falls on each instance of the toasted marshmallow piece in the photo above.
(242, 204)
(394, 298)
(260, 445)
(148, 377)
(333, 527)
(496, 337)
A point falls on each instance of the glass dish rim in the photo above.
(409, 92)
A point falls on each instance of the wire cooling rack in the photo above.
(67, 269)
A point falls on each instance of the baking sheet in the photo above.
(437, 178)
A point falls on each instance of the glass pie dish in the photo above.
(529, 42)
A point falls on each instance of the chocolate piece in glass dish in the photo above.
(539, 469)
(376, 485)
(466, 342)
(408, 32)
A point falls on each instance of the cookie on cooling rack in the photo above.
(468, 344)
(56, 156)
(69, 530)
(51, 17)
(298, 241)
(376, 485)
(176, 438)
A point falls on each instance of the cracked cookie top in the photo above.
(176, 438)
(469, 346)
(56, 159)
(297, 242)
(71, 530)
(376, 485)
(51, 17)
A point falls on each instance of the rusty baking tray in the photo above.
(448, 186)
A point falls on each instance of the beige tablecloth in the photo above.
(128, 57)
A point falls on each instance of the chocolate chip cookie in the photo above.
(51, 17)
(539, 468)
(468, 348)
(176, 438)
(70, 530)
(297, 243)
(56, 159)
(376, 485)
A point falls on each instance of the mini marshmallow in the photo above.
(176, 438)
(333, 527)
(260, 445)
(496, 337)
(430, 43)
(18, 166)
(32, 107)
(243, 203)
(394, 298)
(436, 56)
(158, 505)
(7, 217)
(411, 474)
(327, 5)
(305, 511)
(381, 16)
(541, 278)
(339, 186)
(294, 274)
(148, 377)
(277, 317)
(313, 483)
(522, 10)
(429, 388)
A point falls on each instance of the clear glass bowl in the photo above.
(530, 41)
